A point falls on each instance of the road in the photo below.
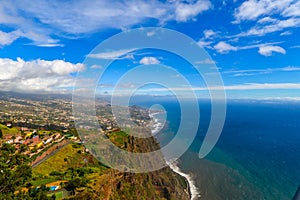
(51, 154)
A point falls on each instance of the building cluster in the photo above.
(34, 140)
(33, 118)
(57, 112)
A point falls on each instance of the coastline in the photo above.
(192, 189)
(156, 125)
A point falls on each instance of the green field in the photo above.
(70, 156)
(58, 195)
(45, 181)
(58, 167)
(67, 157)
(9, 131)
(119, 138)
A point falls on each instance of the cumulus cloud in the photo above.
(149, 61)
(268, 50)
(184, 11)
(37, 75)
(223, 47)
(265, 49)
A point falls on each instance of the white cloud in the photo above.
(40, 20)
(272, 16)
(243, 74)
(26, 27)
(252, 9)
(278, 26)
(49, 45)
(290, 68)
(184, 11)
(268, 50)
(223, 47)
(113, 55)
(207, 40)
(247, 86)
(151, 33)
(149, 61)
(96, 67)
(249, 10)
(293, 10)
(209, 33)
(8, 38)
(204, 43)
(286, 33)
(263, 86)
(37, 76)
(206, 61)
(266, 20)
(253, 72)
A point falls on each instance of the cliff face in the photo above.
(163, 184)
(113, 184)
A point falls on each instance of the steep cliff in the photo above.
(113, 184)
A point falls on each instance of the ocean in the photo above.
(257, 156)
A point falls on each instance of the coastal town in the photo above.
(43, 130)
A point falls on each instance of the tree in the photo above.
(1, 134)
(15, 174)
(15, 170)
(77, 180)
(38, 194)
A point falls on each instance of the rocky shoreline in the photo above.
(192, 189)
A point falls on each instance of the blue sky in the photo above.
(254, 43)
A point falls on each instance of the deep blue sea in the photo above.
(256, 157)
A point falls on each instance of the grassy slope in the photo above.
(9, 131)
(67, 157)
(107, 183)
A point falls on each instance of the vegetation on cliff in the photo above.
(89, 179)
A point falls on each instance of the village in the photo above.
(44, 131)
(36, 141)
